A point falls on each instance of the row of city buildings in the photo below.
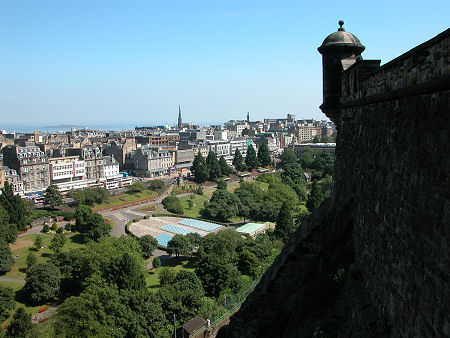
(78, 159)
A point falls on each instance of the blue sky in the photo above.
(90, 62)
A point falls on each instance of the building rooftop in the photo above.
(250, 228)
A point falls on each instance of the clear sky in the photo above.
(104, 62)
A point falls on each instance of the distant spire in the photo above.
(180, 121)
(248, 117)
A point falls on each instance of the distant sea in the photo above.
(18, 128)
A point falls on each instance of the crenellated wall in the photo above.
(388, 225)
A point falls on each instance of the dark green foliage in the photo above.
(20, 324)
(315, 197)
(223, 244)
(179, 245)
(288, 156)
(194, 238)
(200, 169)
(42, 282)
(8, 230)
(6, 261)
(68, 226)
(251, 160)
(248, 264)
(154, 185)
(284, 225)
(45, 228)
(136, 187)
(293, 176)
(91, 225)
(13, 205)
(156, 262)
(89, 196)
(224, 167)
(38, 242)
(173, 204)
(213, 166)
(7, 302)
(264, 155)
(199, 191)
(166, 276)
(148, 245)
(238, 161)
(216, 274)
(260, 246)
(222, 206)
(31, 259)
(52, 196)
(222, 185)
(60, 230)
(57, 243)
(125, 272)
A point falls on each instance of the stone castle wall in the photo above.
(388, 223)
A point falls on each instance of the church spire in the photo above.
(180, 122)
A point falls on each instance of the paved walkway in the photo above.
(12, 280)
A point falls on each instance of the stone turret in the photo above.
(339, 51)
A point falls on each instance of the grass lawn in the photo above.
(180, 263)
(125, 198)
(23, 244)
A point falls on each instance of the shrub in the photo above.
(60, 230)
(136, 220)
(46, 228)
(173, 204)
(54, 226)
(199, 191)
(156, 262)
(68, 227)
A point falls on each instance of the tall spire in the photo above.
(180, 122)
(248, 117)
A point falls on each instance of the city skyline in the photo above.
(112, 63)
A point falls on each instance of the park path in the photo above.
(12, 280)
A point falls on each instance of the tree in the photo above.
(306, 158)
(216, 274)
(248, 263)
(136, 187)
(224, 167)
(288, 156)
(38, 242)
(251, 160)
(316, 139)
(315, 197)
(166, 276)
(45, 228)
(126, 272)
(156, 262)
(154, 185)
(57, 243)
(284, 225)
(194, 238)
(6, 261)
(222, 206)
(213, 166)
(199, 168)
(31, 260)
(42, 282)
(52, 196)
(173, 204)
(91, 225)
(148, 245)
(238, 160)
(179, 245)
(20, 324)
(8, 230)
(264, 155)
(7, 302)
(13, 205)
(222, 185)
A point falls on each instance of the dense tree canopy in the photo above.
(264, 155)
(285, 224)
(6, 260)
(7, 302)
(238, 160)
(8, 230)
(148, 245)
(288, 156)
(248, 263)
(224, 167)
(90, 224)
(42, 282)
(13, 205)
(52, 196)
(179, 245)
(200, 169)
(222, 206)
(125, 272)
(173, 204)
(20, 324)
(315, 197)
(251, 159)
(213, 166)
(89, 196)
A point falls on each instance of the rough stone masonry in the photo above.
(373, 260)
